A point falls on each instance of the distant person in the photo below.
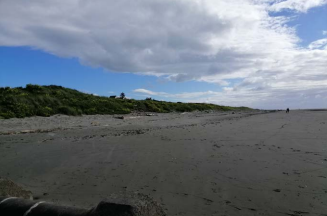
(287, 110)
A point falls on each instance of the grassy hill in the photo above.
(35, 100)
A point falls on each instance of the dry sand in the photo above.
(193, 163)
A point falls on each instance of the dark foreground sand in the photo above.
(193, 163)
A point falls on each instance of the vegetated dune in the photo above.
(35, 100)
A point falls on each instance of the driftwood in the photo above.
(21, 207)
(16, 201)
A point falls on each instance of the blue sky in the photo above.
(310, 25)
(186, 67)
(23, 65)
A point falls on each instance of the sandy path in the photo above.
(195, 164)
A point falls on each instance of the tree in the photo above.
(122, 95)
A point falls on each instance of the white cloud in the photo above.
(297, 5)
(148, 92)
(203, 40)
(277, 98)
(318, 44)
(324, 32)
(185, 95)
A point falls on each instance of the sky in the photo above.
(268, 54)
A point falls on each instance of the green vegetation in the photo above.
(35, 100)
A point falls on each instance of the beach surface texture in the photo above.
(194, 164)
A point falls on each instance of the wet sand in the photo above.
(195, 164)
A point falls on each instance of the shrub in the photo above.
(33, 88)
(22, 110)
(67, 110)
(44, 111)
(124, 111)
(91, 111)
(7, 115)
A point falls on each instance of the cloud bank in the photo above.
(273, 99)
(204, 40)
